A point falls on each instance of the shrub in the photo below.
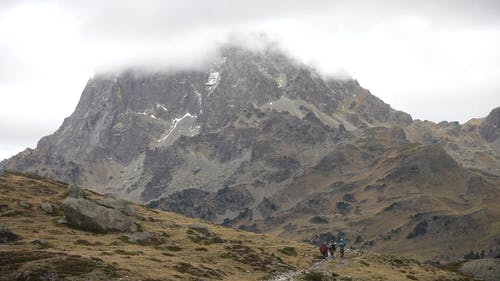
(289, 251)
(318, 220)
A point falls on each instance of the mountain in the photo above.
(38, 243)
(261, 142)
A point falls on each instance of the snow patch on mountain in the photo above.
(181, 126)
(162, 106)
(213, 81)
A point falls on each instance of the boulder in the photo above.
(40, 243)
(87, 215)
(47, 208)
(6, 235)
(118, 204)
(24, 204)
(74, 191)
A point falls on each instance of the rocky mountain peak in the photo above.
(490, 128)
(258, 141)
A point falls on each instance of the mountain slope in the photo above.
(416, 201)
(167, 247)
(263, 143)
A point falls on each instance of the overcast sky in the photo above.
(437, 60)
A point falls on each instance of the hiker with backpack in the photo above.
(341, 246)
(332, 247)
(324, 250)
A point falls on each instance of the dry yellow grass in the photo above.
(179, 248)
(176, 254)
(371, 267)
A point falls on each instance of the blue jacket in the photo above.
(341, 244)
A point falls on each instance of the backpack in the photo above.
(342, 244)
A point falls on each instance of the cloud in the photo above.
(19, 134)
(125, 17)
(415, 55)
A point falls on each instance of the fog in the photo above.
(437, 60)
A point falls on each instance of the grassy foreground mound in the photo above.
(166, 247)
(37, 244)
(371, 267)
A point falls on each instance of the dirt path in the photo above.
(317, 266)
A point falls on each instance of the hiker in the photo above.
(341, 246)
(324, 250)
(331, 248)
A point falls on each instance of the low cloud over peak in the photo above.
(415, 55)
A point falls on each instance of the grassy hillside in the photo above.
(36, 244)
(174, 248)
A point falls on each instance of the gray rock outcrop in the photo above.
(88, 215)
(6, 235)
(117, 204)
(24, 204)
(103, 215)
(47, 208)
(74, 191)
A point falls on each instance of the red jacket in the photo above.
(323, 249)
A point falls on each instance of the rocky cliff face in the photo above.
(258, 141)
(490, 128)
(127, 131)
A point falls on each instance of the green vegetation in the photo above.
(289, 251)
(173, 248)
(206, 272)
(319, 220)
